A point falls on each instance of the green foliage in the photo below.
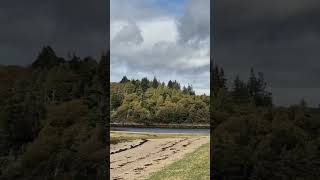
(116, 100)
(47, 59)
(150, 102)
(218, 80)
(250, 146)
(254, 140)
(155, 83)
(240, 92)
(52, 116)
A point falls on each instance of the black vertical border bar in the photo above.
(107, 109)
(212, 34)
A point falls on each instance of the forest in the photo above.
(153, 102)
(254, 139)
(52, 118)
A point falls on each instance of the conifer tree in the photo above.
(144, 84)
(218, 80)
(155, 83)
(124, 79)
(170, 84)
(240, 91)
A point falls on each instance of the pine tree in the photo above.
(155, 83)
(144, 84)
(218, 79)
(176, 85)
(170, 84)
(184, 90)
(47, 59)
(240, 93)
(124, 79)
(257, 89)
(190, 90)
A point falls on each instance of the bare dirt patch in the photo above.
(137, 159)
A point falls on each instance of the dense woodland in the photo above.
(52, 118)
(53, 115)
(253, 139)
(153, 102)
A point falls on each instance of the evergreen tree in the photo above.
(218, 80)
(144, 84)
(124, 79)
(184, 90)
(176, 85)
(240, 92)
(170, 84)
(190, 90)
(155, 83)
(47, 59)
(257, 89)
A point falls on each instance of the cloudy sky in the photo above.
(67, 25)
(278, 37)
(169, 39)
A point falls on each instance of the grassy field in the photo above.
(194, 166)
(117, 136)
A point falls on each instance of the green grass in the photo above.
(194, 166)
(117, 136)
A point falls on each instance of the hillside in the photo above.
(150, 102)
(254, 139)
(51, 118)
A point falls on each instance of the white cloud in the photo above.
(129, 34)
(158, 30)
(150, 44)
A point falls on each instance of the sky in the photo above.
(166, 39)
(78, 26)
(281, 38)
(170, 39)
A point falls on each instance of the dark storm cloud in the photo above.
(68, 26)
(278, 37)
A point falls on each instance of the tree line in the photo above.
(151, 101)
(254, 91)
(53, 113)
(52, 118)
(254, 139)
